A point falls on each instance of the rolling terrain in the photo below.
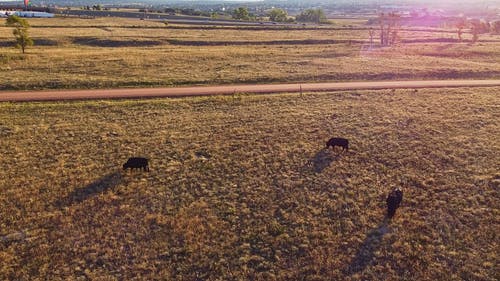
(71, 53)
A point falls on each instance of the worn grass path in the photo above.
(231, 89)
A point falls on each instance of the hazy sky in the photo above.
(305, 1)
(427, 2)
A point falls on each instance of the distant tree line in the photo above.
(239, 13)
(97, 7)
(312, 15)
(182, 11)
(242, 13)
(278, 15)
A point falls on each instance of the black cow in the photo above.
(137, 163)
(344, 143)
(393, 201)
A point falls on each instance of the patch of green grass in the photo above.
(6, 58)
(242, 188)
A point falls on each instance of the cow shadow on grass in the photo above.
(323, 159)
(366, 252)
(92, 189)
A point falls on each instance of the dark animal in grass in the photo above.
(344, 143)
(136, 163)
(393, 201)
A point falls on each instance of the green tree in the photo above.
(312, 15)
(278, 15)
(241, 13)
(20, 31)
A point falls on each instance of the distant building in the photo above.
(33, 14)
(4, 14)
(26, 14)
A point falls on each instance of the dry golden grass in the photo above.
(103, 53)
(241, 188)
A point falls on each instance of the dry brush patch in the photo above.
(241, 188)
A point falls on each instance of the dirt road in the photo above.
(231, 89)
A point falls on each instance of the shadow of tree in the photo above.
(36, 41)
(322, 159)
(252, 42)
(99, 42)
(98, 186)
(371, 244)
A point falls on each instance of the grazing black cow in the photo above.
(344, 143)
(393, 201)
(137, 163)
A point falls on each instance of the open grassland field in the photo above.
(106, 53)
(241, 188)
